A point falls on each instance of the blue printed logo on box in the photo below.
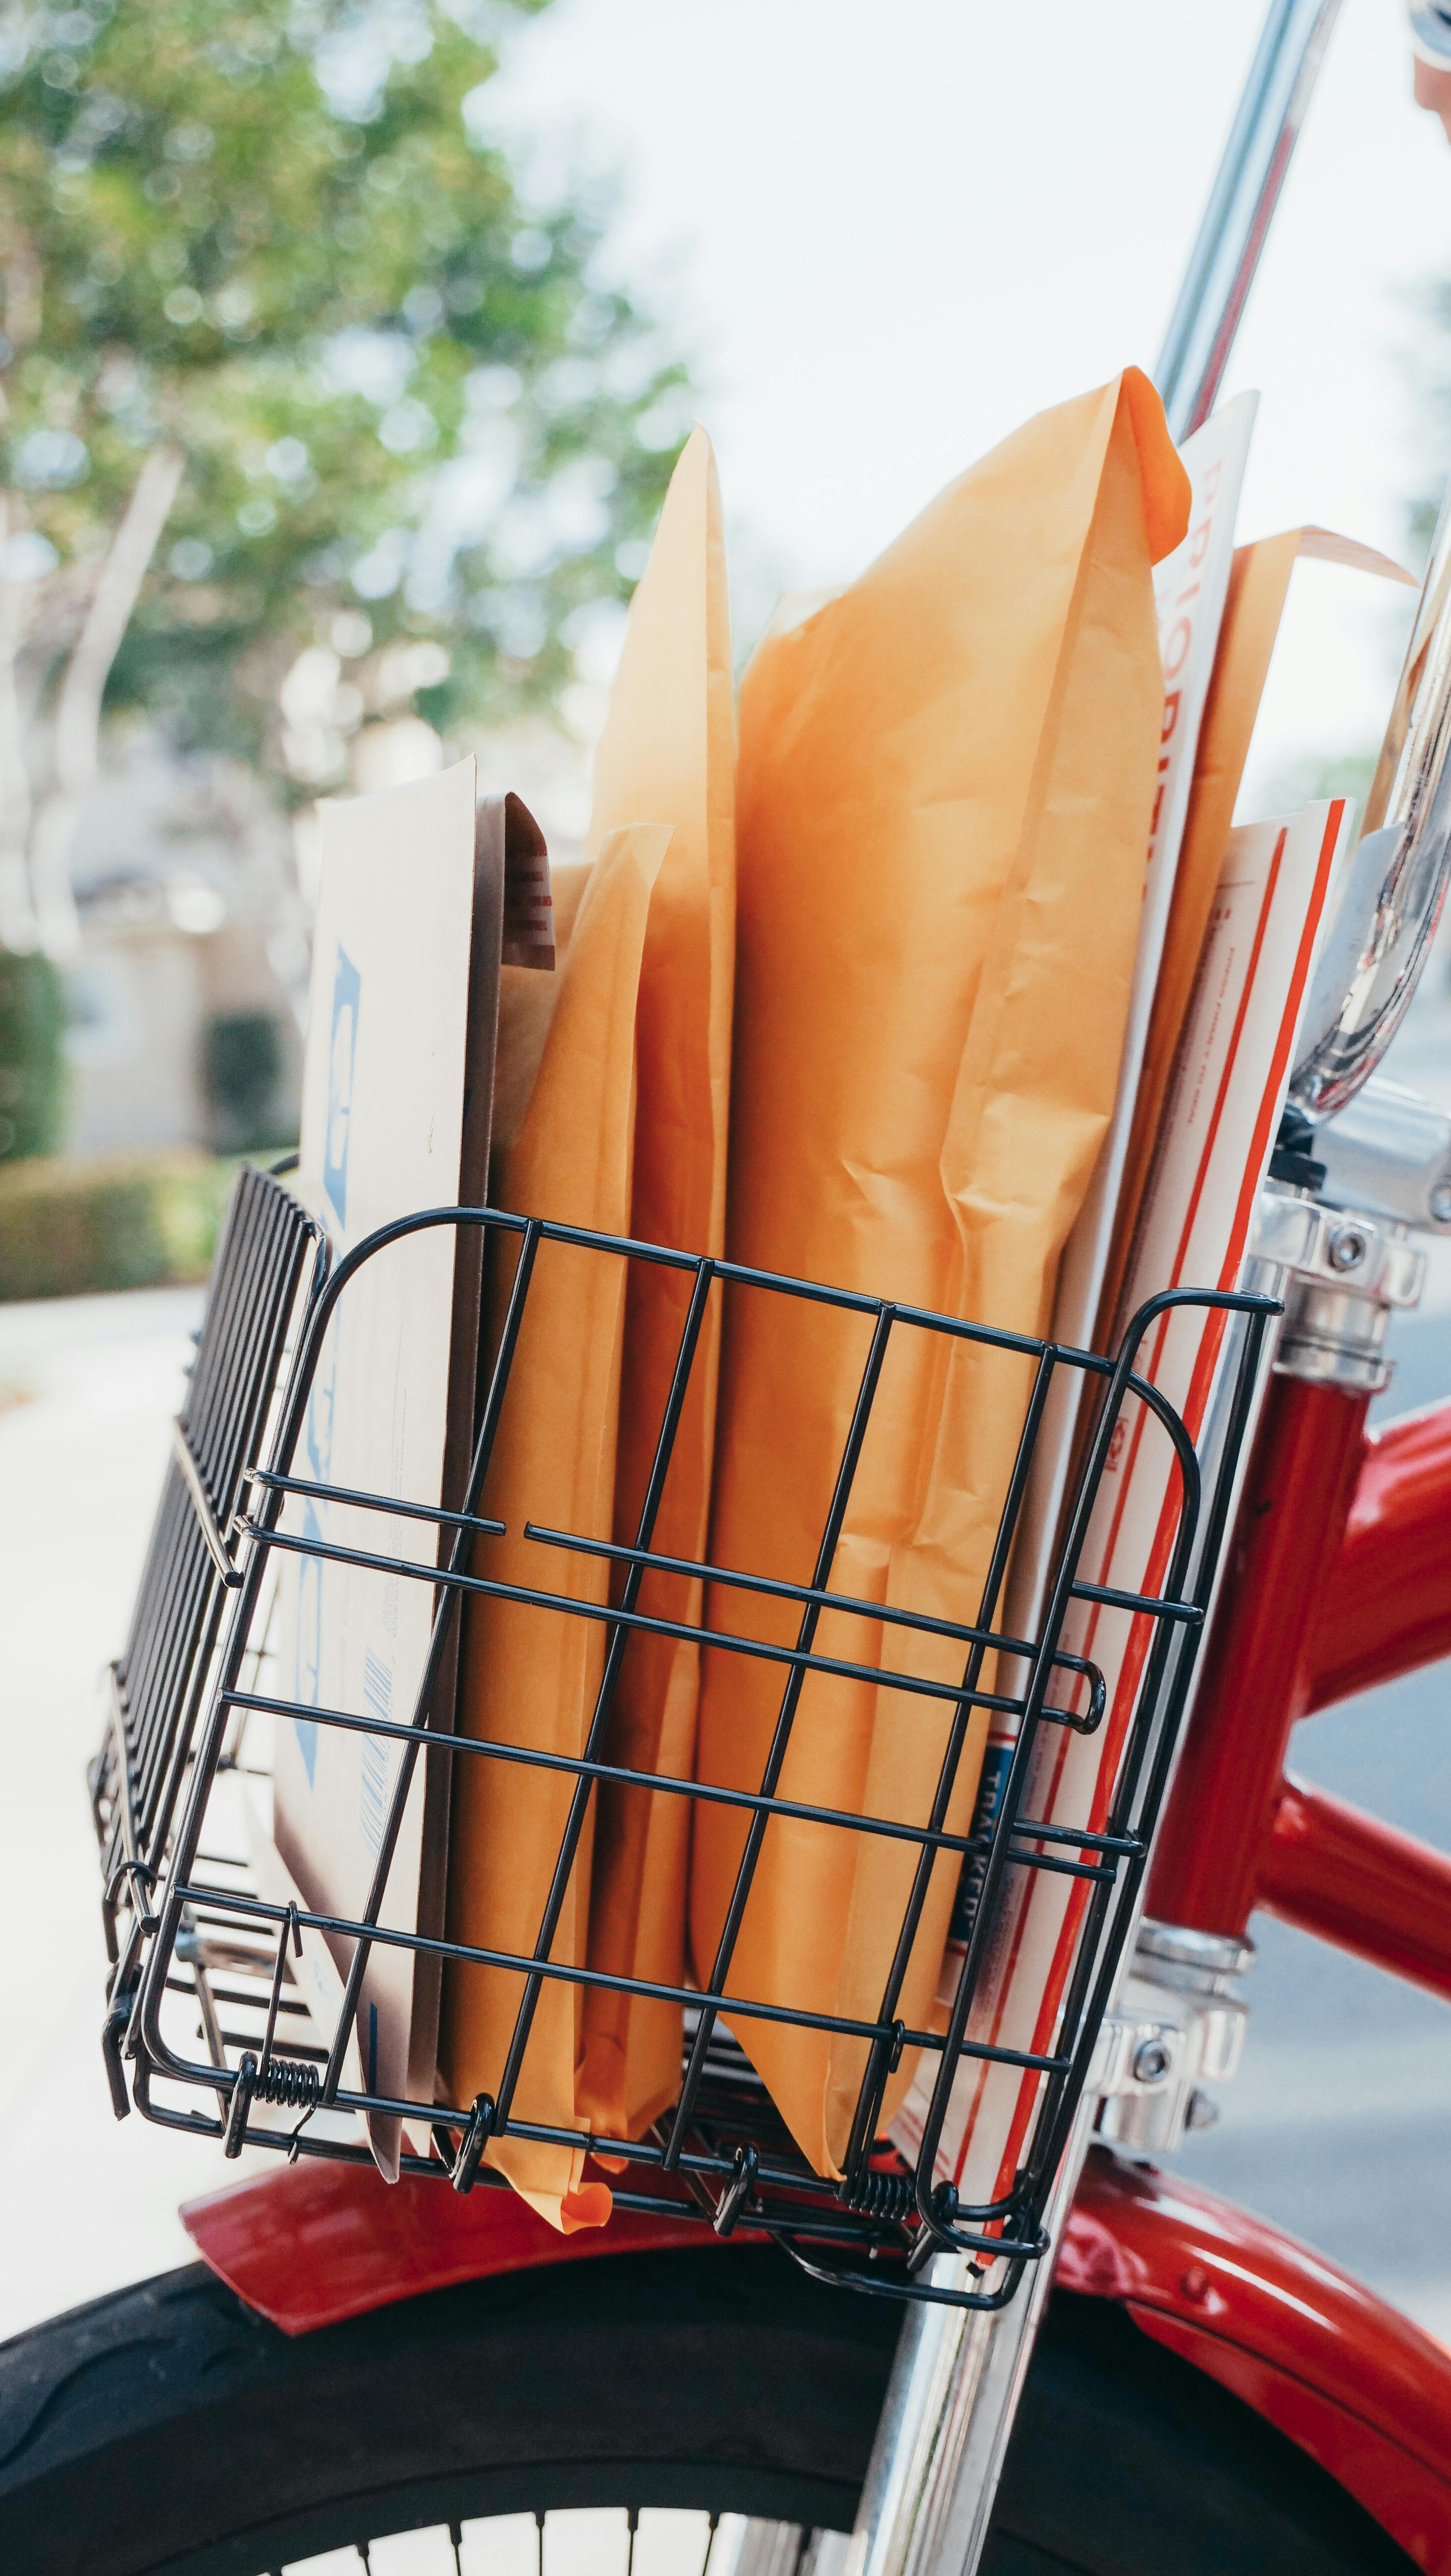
(342, 1057)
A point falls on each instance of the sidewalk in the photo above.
(87, 1390)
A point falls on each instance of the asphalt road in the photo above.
(1337, 2127)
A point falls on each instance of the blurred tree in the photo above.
(32, 1056)
(308, 416)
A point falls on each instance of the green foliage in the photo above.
(70, 1228)
(32, 1056)
(275, 233)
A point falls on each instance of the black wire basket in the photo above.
(198, 1953)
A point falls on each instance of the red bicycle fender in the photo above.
(1357, 2386)
(1320, 2357)
(313, 2243)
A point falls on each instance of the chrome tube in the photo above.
(1241, 204)
(959, 2373)
(948, 2416)
(1431, 34)
(1395, 884)
(1389, 1154)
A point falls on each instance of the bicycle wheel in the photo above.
(607, 2418)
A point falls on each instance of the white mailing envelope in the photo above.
(1216, 1137)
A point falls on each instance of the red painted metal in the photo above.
(1340, 1576)
(1385, 1606)
(1352, 1880)
(1358, 2387)
(1319, 2356)
(310, 2244)
(1297, 1496)
(1339, 1537)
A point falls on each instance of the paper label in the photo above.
(1189, 594)
(1217, 1134)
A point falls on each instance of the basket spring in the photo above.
(288, 2083)
(880, 2193)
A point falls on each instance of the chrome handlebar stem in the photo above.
(929, 2489)
(1431, 33)
(1241, 204)
(1395, 884)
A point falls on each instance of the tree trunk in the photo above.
(77, 736)
(18, 925)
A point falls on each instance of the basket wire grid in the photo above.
(182, 1916)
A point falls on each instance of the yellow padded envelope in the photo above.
(529, 1676)
(944, 790)
(667, 756)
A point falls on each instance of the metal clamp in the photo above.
(1345, 1272)
(1178, 2026)
(1389, 1150)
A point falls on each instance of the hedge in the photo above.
(32, 1056)
(72, 1226)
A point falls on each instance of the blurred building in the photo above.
(195, 893)
(185, 1002)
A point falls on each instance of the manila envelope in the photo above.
(945, 787)
(530, 1676)
(667, 756)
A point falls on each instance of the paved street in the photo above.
(87, 1389)
(1337, 2128)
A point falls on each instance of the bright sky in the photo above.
(892, 233)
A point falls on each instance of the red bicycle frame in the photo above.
(1339, 1578)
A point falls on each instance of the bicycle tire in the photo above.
(167, 2430)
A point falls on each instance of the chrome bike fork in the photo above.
(959, 2372)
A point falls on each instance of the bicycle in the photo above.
(349, 2365)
